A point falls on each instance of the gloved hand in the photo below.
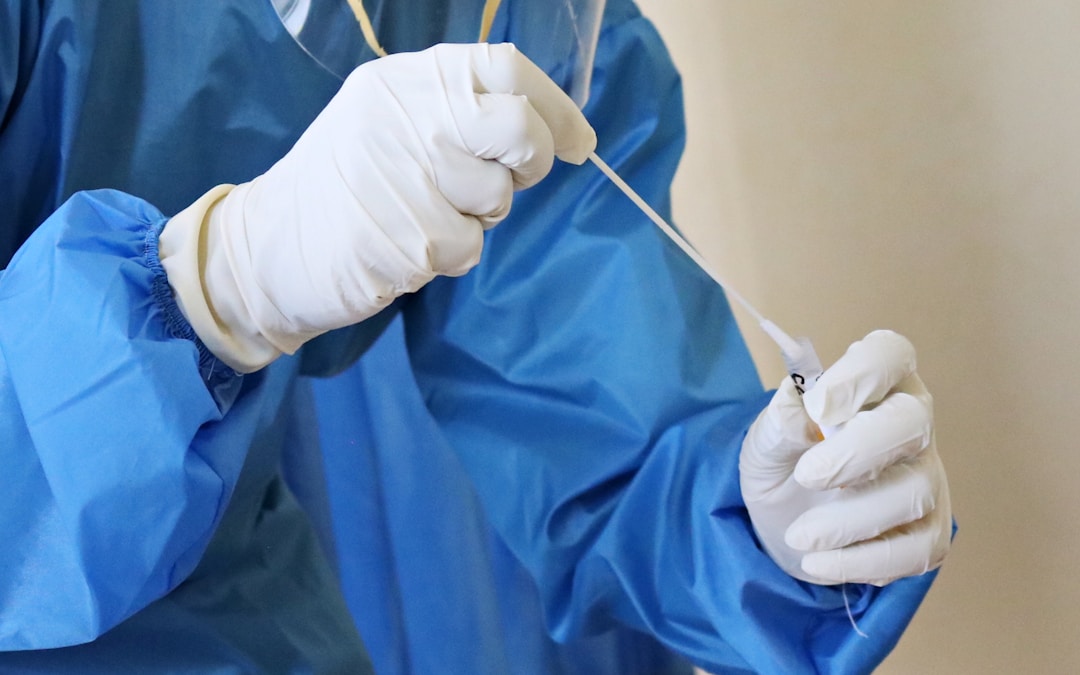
(393, 184)
(870, 503)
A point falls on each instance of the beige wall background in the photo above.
(915, 164)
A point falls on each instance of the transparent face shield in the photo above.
(558, 35)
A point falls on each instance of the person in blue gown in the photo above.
(529, 468)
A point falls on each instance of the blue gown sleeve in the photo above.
(597, 390)
(117, 454)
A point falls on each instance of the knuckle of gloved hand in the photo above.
(529, 149)
(457, 249)
(502, 64)
(514, 117)
(506, 128)
(492, 196)
(914, 386)
(893, 340)
(886, 351)
(459, 266)
(502, 51)
(455, 54)
(927, 546)
(924, 493)
(471, 187)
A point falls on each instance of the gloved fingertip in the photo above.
(826, 408)
(797, 538)
(578, 149)
(814, 471)
(824, 567)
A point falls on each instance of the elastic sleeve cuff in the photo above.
(218, 376)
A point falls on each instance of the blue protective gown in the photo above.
(530, 469)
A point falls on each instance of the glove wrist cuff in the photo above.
(205, 287)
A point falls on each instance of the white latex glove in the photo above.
(393, 184)
(869, 504)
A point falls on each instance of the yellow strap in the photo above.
(365, 27)
(491, 7)
(488, 18)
